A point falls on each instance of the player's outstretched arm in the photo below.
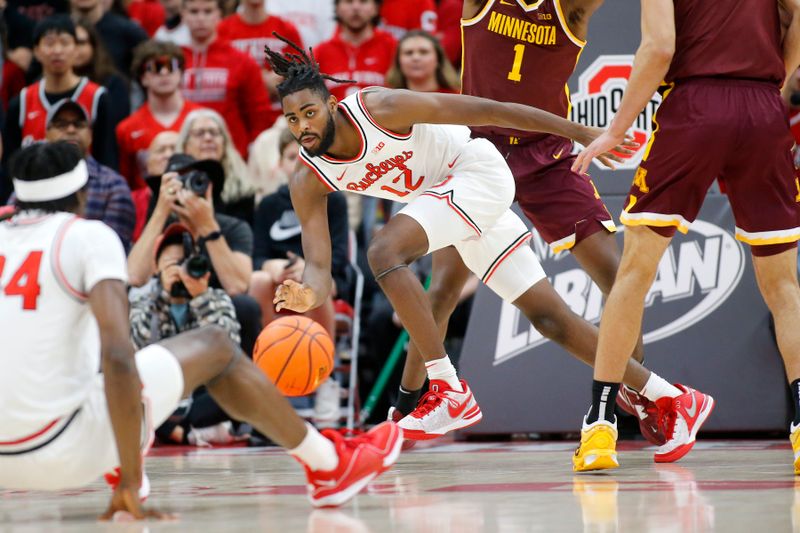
(650, 65)
(310, 201)
(109, 302)
(790, 11)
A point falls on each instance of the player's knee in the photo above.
(381, 255)
(218, 343)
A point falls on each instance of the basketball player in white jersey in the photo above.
(398, 145)
(64, 315)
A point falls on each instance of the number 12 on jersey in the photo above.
(25, 281)
(515, 74)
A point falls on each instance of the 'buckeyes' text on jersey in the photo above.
(517, 51)
(390, 165)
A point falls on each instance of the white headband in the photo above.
(53, 188)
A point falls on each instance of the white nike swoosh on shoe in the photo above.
(692, 411)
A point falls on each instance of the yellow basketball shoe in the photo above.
(598, 449)
(794, 435)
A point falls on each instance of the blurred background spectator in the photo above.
(17, 31)
(221, 77)
(313, 18)
(420, 65)
(173, 29)
(179, 300)
(358, 50)
(54, 47)
(400, 16)
(93, 61)
(13, 76)
(204, 135)
(149, 14)
(119, 34)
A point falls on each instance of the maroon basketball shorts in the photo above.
(563, 206)
(734, 130)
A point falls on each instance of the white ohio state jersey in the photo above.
(50, 343)
(390, 165)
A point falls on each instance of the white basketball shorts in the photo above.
(79, 450)
(471, 210)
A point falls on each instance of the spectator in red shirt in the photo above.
(158, 67)
(449, 23)
(249, 31)
(400, 16)
(221, 77)
(420, 65)
(150, 14)
(358, 50)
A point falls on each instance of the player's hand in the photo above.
(126, 506)
(294, 296)
(168, 192)
(607, 147)
(195, 286)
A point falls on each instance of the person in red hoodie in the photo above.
(158, 67)
(220, 77)
(401, 16)
(249, 31)
(358, 50)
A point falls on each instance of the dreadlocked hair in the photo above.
(299, 70)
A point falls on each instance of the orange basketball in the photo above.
(295, 353)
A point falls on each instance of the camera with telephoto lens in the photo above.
(196, 181)
(197, 266)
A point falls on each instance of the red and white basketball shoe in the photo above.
(681, 418)
(361, 459)
(441, 411)
(645, 411)
(396, 416)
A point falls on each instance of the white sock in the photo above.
(317, 452)
(657, 387)
(444, 370)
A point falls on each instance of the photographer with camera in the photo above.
(187, 192)
(179, 300)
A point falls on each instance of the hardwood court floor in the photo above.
(728, 486)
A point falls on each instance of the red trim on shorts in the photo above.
(460, 212)
(519, 242)
(32, 436)
(318, 175)
(62, 279)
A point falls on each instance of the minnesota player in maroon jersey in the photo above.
(721, 117)
(524, 52)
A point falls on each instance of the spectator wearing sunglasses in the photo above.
(158, 67)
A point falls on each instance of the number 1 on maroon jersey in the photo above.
(28, 287)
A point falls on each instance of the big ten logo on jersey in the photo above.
(600, 89)
(379, 147)
(696, 275)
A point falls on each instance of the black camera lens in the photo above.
(197, 266)
(196, 181)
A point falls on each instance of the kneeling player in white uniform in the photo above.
(65, 314)
(398, 145)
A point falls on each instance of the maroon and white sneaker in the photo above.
(645, 411)
(681, 418)
(441, 411)
(361, 459)
(397, 416)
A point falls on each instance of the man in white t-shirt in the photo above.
(65, 314)
(314, 19)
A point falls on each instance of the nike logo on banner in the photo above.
(280, 233)
(692, 411)
(459, 409)
(450, 165)
(558, 155)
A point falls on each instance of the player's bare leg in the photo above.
(336, 468)
(777, 281)
(620, 327)
(450, 404)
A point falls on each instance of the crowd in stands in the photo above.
(158, 92)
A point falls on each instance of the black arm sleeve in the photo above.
(104, 141)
